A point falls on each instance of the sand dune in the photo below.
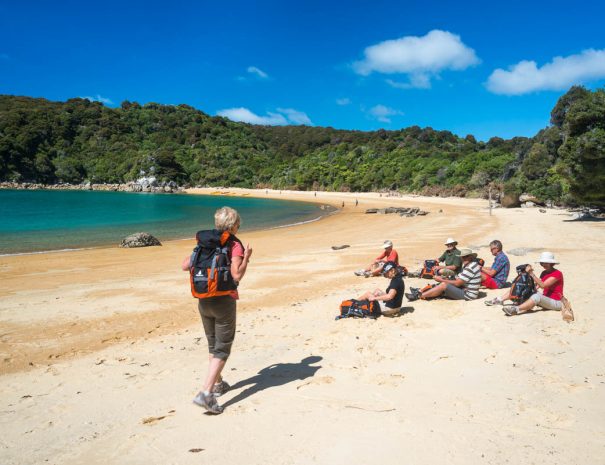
(102, 351)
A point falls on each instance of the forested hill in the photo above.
(78, 141)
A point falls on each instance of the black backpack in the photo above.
(210, 267)
(523, 286)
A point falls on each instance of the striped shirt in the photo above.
(471, 275)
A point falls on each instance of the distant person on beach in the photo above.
(495, 276)
(388, 255)
(552, 298)
(465, 286)
(450, 259)
(219, 313)
(393, 296)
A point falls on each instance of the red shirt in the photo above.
(392, 257)
(555, 291)
(238, 251)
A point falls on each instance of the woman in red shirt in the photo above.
(550, 280)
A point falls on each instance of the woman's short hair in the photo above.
(226, 218)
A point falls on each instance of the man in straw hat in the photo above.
(450, 259)
(465, 286)
(552, 298)
(388, 255)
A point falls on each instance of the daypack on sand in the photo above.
(522, 287)
(428, 270)
(210, 266)
(353, 308)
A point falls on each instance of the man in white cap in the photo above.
(388, 255)
(551, 298)
(450, 259)
(464, 287)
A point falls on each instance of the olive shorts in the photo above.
(218, 318)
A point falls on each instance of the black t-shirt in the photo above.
(397, 284)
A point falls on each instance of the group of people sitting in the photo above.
(459, 275)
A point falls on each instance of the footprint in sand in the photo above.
(318, 380)
(386, 379)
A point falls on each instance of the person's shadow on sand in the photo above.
(275, 375)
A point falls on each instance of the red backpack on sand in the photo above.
(428, 270)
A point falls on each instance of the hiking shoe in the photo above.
(415, 294)
(208, 401)
(511, 310)
(494, 301)
(220, 388)
(359, 272)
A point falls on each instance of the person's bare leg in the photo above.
(434, 292)
(367, 295)
(526, 306)
(215, 367)
(210, 357)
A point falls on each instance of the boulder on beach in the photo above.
(141, 239)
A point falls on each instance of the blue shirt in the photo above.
(502, 267)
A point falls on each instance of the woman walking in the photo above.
(218, 312)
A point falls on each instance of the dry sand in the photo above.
(102, 351)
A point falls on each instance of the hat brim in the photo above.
(472, 255)
(448, 243)
(548, 261)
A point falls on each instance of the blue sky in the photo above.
(488, 69)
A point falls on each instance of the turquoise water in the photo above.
(42, 220)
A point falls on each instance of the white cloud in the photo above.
(383, 113)
(343, 101)
(559, 74)
(421, 58)
(295, 116)
(417, 81)
(258, 72)
(281, 117)
(98, 98)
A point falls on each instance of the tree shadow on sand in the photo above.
(275, 375)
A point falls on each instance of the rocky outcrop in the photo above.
(510, 201)
(401, 211)
(141, 239)
(133, 186)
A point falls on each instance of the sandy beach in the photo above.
(102, 350)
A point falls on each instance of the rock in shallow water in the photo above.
(141, 239)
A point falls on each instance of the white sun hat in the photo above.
(387, 244)
(548, 257)
(451, 240)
